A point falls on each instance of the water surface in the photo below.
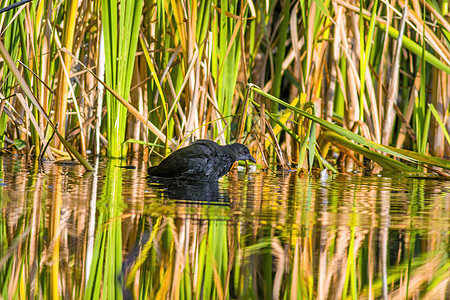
(112, 234)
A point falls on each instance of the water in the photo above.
(111, 234)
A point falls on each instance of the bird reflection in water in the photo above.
(190, 192)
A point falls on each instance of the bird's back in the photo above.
(203, 160)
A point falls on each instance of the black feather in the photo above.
(203, 160)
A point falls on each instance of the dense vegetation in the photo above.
(120, 77)
(302, 83)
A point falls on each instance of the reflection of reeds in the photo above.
(280, 237)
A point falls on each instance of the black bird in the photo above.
(203, 160)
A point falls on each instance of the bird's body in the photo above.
(203, 160)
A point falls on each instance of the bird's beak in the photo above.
(250, 158)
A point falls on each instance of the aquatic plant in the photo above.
(170, 71)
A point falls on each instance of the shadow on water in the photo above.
(189, 192)
(112, 234)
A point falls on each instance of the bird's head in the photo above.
(241, 152)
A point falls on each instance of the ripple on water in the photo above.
(258, 214)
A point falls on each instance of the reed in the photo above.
(183, 67)
(121, 31)
(14, 35)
